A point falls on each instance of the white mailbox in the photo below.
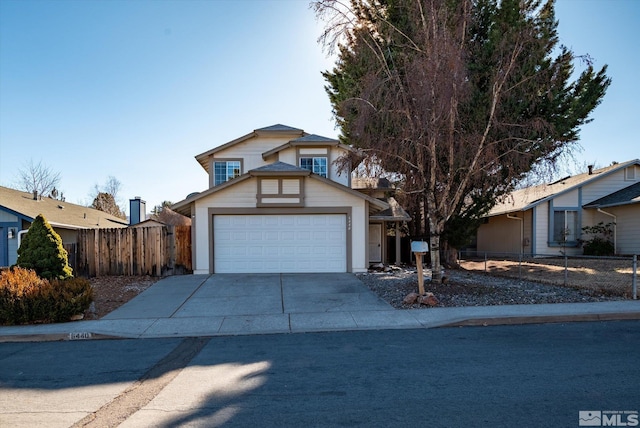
(419, 247)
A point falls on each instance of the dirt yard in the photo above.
(111, 292)
(609, 277)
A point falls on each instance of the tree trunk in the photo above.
(449, 255)
(436, 270)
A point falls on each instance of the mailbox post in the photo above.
(420, 248)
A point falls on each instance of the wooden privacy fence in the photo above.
(156, 251)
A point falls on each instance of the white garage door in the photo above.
(280, 243)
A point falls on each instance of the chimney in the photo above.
(590, 169)
(137, 211)
(35, 195)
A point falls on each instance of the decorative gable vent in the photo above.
(278, 192)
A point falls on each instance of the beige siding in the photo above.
(239, 195)
(68, 236)
(627, 229)
(269, 186)
(606, 185)
(291, 187)
(288, 156)
(527, 245)
(569, 199)
(500, 235)
(250, 151)
(541, 228)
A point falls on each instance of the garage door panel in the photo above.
(280, 243)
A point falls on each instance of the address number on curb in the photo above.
(84, 335)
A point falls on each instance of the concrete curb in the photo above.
(473, 321)
(543, 319)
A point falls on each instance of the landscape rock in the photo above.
(410, 299)
(428, 299)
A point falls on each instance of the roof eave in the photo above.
(612, 205)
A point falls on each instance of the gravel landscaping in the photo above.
(473, 289)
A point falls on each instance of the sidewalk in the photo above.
(217, 305)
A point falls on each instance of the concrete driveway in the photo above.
(251, 294)
(252, 303)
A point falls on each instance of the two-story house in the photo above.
(276, 202)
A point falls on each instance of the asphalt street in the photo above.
(501, 376)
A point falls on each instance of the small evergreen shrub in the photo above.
(71, 296)
(41, 250)
(26, 298)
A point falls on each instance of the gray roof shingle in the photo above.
(58, 213)
(279, 127)
(628, 195)
(279, 167)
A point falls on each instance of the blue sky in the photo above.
(135, 89)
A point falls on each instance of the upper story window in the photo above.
(317, 165)
(225, 171)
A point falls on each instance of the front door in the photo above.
(375, 243)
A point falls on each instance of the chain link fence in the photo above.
(604, 275)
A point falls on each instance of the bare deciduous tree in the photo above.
(37, 177)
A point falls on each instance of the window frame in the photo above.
(313, 165)
(555, 239)
(227, 175)
(630, 173)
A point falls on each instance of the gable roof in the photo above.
(525, 199)
(58, 213)
(627, 196)
(277, 129)
(276, 168)
(394, 213)
(279, 168)
(310, 140)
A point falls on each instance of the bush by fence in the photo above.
(607, 275)
(27, 298)
(155, 251)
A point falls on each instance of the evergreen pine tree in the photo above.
(41, 250)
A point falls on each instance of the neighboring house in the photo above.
(19, 209)
(276, 202)
(549, 218)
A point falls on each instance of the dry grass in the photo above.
(606, 276)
